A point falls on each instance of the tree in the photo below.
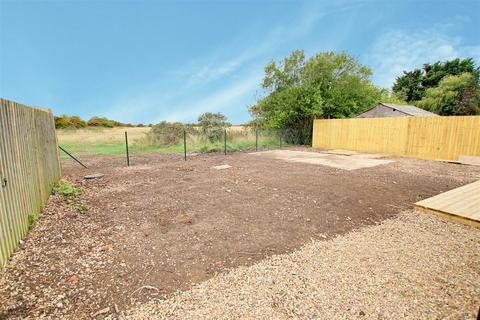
(210, 120)
(413, 85)
(212, 124)
(455, 95)
(409, 86)
(327, 85)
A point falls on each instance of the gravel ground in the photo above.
(413, 266)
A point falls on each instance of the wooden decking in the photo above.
(461, 204)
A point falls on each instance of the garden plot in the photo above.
(165, 224)
(337, 158)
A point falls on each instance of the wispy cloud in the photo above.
(218, 81)
(219, 100)
(398, 50)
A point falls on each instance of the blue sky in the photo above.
(147, 61)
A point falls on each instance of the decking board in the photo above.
(461, 204)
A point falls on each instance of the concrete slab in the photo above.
(346, 162)
(474, 161)
(222, 167)
(94, 176)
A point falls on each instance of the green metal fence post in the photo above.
(68, 153)
(126, 148)
(225, 141)
(185, 144)
(256, 139)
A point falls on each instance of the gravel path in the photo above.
(411, 266)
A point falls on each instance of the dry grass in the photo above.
(100, 135)
(112, 141)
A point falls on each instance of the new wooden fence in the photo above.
(444, 138)
(29, 167)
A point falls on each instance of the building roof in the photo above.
(409, 110)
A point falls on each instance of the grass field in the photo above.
(99, 140)
(111, 141)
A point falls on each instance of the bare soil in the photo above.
(163, 224)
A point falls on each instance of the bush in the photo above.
(166, 133)
(74, 122)
(101, 122)
(213, 125)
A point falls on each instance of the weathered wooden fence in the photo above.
(444, 138)
(29, 167)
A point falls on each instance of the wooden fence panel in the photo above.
(444, 138)
(29, 168)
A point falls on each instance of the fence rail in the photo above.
(29, 167)
(444, 138)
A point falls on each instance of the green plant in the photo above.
(298, 90)
(213, 125)
(32, 218)
(413, 85)
(66, 189)
(79, 206)
(454, 95)
(168, 133)
(71, 192)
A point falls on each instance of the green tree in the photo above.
(413, 85)
(327, 85)
(212, 124)
(209, 120)
(454, 95)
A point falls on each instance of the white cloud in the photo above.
(191, 89)
(395, 51)
(218, 101)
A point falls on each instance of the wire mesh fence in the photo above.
(221, 140)
(178, 139)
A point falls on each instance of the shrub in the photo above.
(213, 125)
(76, 122)
(64, 122)
(166, 133)
(101, 122)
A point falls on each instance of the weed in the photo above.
(80, 207)
(32, 218)
(66, 189)
(71, 192)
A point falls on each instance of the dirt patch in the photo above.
(167, 224)
(409, 267)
